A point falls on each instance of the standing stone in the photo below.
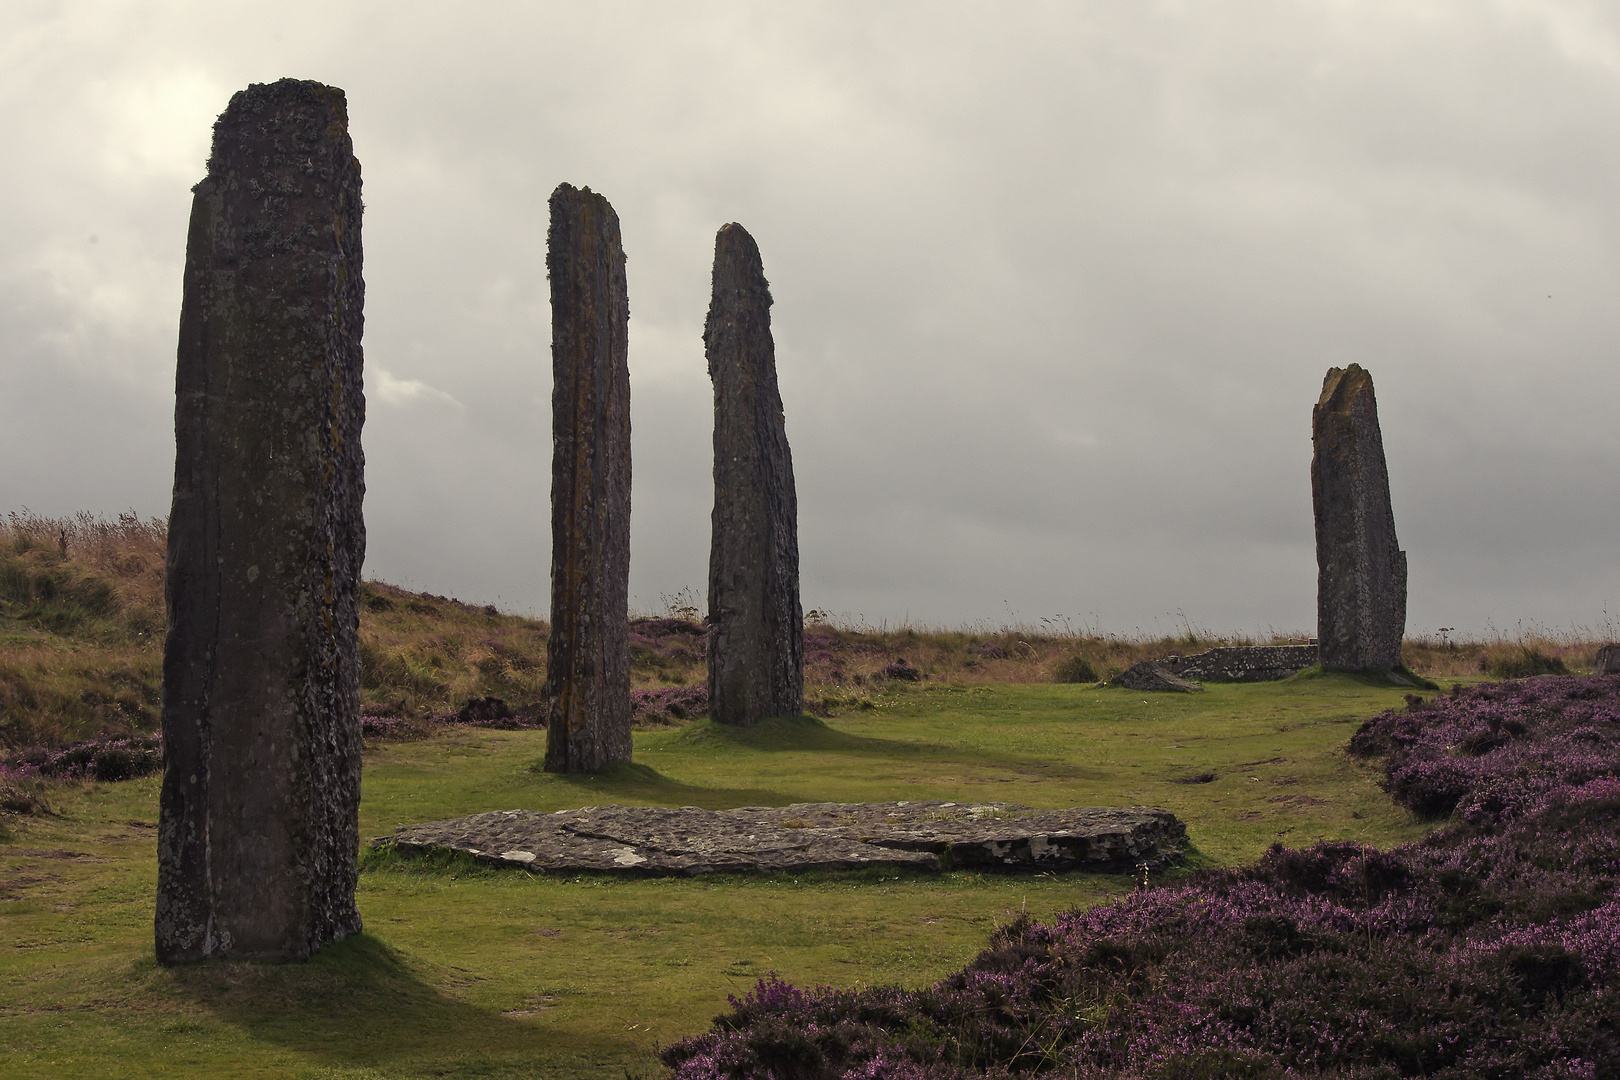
(1361, 571)
(756, 628)
(1608, 661)
(588, 655)
(258, 820)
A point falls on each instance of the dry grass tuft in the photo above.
(1502, 656)
(126, 551)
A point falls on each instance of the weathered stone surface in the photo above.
(1153, 675)
(756, 628)
(807, 836)
(1608, 661)
(258, 819)
(1243, 663)
(588, 653)
(1361, 571)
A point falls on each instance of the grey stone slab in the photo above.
(927, 835)
(756, 627)
(258, 817)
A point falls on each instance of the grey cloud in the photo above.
(1056, 284)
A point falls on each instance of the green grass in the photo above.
(472, 971)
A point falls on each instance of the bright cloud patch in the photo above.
(402, 392)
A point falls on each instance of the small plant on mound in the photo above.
(901, 670)
(1074, 669)
(1488, 949)
(22, 791)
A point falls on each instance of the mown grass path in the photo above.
(465, 971)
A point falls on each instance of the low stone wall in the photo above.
(1246, 663)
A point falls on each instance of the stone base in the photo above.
(1243, 663)
(659, 841)
(1153, 676)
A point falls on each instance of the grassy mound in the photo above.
(81, 624)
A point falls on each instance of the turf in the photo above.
(467, 971)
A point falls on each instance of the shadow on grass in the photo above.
(361, 1002)
(808, 734)
(802, 733)
(1412, 680)
(628, 780)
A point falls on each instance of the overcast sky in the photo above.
(1056, 283)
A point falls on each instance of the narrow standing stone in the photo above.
(258, 821)
(756, 628)
(588, 654)
(1361, 571)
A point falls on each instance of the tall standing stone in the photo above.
(1361, 571)
(756, 628)
(588, 655)
(258, 820)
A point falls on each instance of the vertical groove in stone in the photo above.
(1361, 571)
(756, 627)
(588, 653)
(258, 819)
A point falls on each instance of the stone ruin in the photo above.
(1233, 663)
(588, 652)
(1243, 663)
(756, 627)
(258, 816)
(1361, 570)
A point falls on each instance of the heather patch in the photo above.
(1496, 747)
(668, 649)
(1485, 950)
(668, 706)
(394, 721)
(106, 758)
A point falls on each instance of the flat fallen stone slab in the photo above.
(931, 835)
(1153, 675)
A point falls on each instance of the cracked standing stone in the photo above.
(258, 829)
(1361, 571)
(588, 653)
(756, 627)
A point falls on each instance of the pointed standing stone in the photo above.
(756, 628)
(588, 654)
(1361, 571)
(258, 820)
